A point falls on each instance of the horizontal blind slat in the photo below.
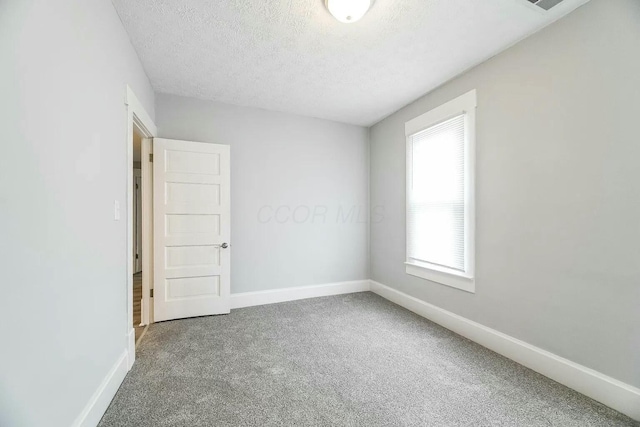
(436, 196)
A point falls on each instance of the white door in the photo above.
(191, 208)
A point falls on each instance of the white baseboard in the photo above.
(99, 402)
(250, 299)
(609, 391)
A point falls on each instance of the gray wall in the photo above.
(315, 171)
(63, 70)
(558, 191)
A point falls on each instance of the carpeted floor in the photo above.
(349, 360)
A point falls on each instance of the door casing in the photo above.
(136, 116)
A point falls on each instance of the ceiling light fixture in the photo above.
(348, 11)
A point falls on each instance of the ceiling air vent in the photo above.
(545, 4)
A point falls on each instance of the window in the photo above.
(440, 194)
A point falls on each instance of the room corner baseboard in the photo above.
(620, 396)
(250, 299)
(99, 402)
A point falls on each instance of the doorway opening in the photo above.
(138, 254)
(140, 131)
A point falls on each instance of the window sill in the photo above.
(443, 276)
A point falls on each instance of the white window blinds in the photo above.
(436, 195)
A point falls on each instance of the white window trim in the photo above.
(465, 281)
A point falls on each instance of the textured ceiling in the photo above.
(293, 56)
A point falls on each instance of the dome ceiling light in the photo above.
(348, 11)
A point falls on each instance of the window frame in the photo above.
(464, 104)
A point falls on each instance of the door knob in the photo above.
(224, 246)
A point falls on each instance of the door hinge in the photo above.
(151, 157)
(136, 256)
(151, 293)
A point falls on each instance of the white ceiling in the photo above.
(293, 56)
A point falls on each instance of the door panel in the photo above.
(191, 222)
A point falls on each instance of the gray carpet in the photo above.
(349, 360)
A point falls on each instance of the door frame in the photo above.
(136, 116)
(147, 230)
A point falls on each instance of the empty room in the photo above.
(319, 213)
